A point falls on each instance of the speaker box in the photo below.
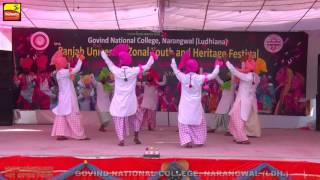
(6, 88)
(6, 118)
(6, 70)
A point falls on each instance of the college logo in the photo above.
(11, 11)
(39, 40)
(273, 43)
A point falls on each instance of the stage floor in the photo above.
(276, 144)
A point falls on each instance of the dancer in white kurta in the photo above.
(67, 122)
(191, 118)
(253, 126)
(104, 90)
(86, 92)
(221, 116)
(150, 99)
(243, 104)
(124, 103)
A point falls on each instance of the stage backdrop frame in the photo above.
(285, 54)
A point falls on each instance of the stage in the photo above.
(291, 151)
(275, 144)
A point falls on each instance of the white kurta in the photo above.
(103, 97)
(124, 102)
(246, 91)
(253, 126)
(190, 108)
(86, 95)
(227, 98)
(255, 86)
(150, 97)
(67, 94)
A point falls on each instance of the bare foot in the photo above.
(136, 138)
(244, 142)
(121, 143)
(198, 145)
(188, 145)
(102, 129)
(253, 136)
(61, 138)
(137, 141)
(227, 134)
(84, 139)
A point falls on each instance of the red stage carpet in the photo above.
(293, 152)
(18, 167)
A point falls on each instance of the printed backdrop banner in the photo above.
(281, 90)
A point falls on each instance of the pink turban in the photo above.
(184, 59)
(59, 60)
(250, 65)
(192, 66)
(122, 52)
(125, 58)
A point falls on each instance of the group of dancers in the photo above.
(236, 113)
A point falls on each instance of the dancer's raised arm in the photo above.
(147, 66)
(219, 80)
(175, 69)
(163, 82)
(108, 61)
(240, 75)
(214, 73)
(77, 68)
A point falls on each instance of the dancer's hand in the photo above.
(92, 76)
(164, 77)
(173, 62)
(80, 56)
(172, 53)
(109, 54)
(99, 46)
(154, 55)
(218, 62)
